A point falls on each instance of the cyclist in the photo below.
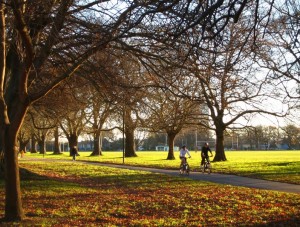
(204, 153)
(182, 153)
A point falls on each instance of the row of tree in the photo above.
(161, 65)
(249, 138)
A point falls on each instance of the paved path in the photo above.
(219, 178)
(213, 177)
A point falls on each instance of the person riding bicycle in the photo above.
(182, 154)
(204, 153)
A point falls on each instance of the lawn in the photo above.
(281, 166)
(69, 193)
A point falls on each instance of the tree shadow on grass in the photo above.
(282, 163)
(165, 159)
(26, 174)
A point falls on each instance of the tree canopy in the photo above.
(43, 43)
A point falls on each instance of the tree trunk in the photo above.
(129, 127)
(22, 145)
(33, 145)
(1, 152)
(42, 146)
(171, 138)
(220, 152)
(73, 141)
(12, 112)
(56, 142)
(97, 145)
(13, 202)
(2, 167)
(3, 107)
(129, 142)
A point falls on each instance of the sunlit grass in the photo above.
(272, 165)
(75, 194)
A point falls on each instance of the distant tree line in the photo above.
(259, 137)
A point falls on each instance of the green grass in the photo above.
(283, 166)
(76, 194)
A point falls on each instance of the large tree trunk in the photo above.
(3, 108)
(12, 112)
(129, 142)
(220, 152)
(129, 127)
(42, 145)
(1, 151)
(23, 145)
(97, 145)
(2, 164)
(33, 145)
(17, 105)
(13, 203)
(73, 141)
(56, 142)
(171, 138)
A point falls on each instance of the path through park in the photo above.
(213, 177)
(219, 178)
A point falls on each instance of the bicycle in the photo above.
(184, 168)
(207, 167)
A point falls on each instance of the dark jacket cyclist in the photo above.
(204, 153)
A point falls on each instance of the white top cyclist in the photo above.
(183, 152)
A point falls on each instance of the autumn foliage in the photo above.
(62, 193)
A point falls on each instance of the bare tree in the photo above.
(231, 84)
(72, 126)
(102, 74)
(75, 119)
(42, 120)
(45, 35)
(282, 53)
(100, 111)
(49, 41)
(170, 114)
(132, 81)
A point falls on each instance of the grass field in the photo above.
(281, 166)
(76, 194)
